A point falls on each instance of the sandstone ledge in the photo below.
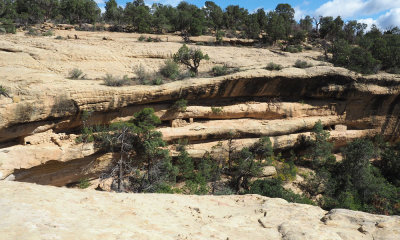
(31, 211)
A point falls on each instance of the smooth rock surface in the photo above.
(31, 211)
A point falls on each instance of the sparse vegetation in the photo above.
(76, 74)
(141, 38)
(48, 33)
(142, 75)
(110, 80)
(4, 91)
(302, 64)
(274, 67)
(180, 105)
(219, 70)
(293, 48)
(217, 110)
(59, 38)
(170, 70)
(84, 183)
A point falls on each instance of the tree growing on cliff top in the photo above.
(190, 57)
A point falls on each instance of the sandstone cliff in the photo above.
(40, 119)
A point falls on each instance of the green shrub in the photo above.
(219, 37)
(110, 80)
(141, 38)
(180, 105)
(48, 33)
(170, 70)
(302, 64)
(8, 26)
(76, 73)
(274, 67)
(33, 32)
(293, 48)
(142, 75)
(4, 91)
(59, 38)
(273, 188)
(84, 183)
(219, 70)
(157, 81)
(217, 110)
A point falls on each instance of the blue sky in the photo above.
(383, 13)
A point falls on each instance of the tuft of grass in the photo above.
(112, 81)
(75, 74)
(4, 91)
(219, 70)
(273, 67)
(33, 32)
(170, 70)
(48, 33)
(157, 81)
(142, 75)
(302, 64)
(84, 183)
(141, 38)
(217, 110)
(293, 48)
(59, 38)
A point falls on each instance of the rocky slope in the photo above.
(40, 119)
(31, 211)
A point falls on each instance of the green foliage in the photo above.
(59, 38)
(7, 25)
(170, 70)
(219, 37)
(4, 91)
(320, 151)
(79, 11)
(354, 58)
(142, 75)
(219, 70)
(302, 64)
(263, 149)
(287, 170)
(244, 167)
(293, 48)
(217, 110)
(185, 164)
(76, 74)
(33, 32)
(180, 105)
(110, 80)
(84, 183)
(157, 81)
(390, 164)
(141, 38)
(191, 58)
(48, 33)
(273, 188)
(274, 67)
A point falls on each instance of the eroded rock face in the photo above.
(45, 108)
(42, 212)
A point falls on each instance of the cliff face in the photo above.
(42, 212)
(39, 121)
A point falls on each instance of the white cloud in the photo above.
(99, 1)
(389, 19)
(354, 8)
(369, 22)
(165, 2)
(299, 13)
